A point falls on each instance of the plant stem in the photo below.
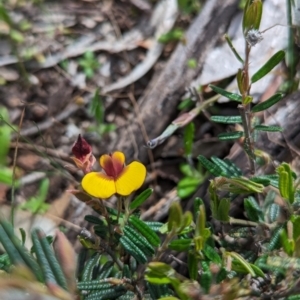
(164, 246)
(248, 139)
(245, 112)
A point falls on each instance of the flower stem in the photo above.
(245, 112)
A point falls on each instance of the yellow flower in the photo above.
(116, 178)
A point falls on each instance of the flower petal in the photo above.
(131, 179)
(98, 185)
(113, 164)
(118, 159)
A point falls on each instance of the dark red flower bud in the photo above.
(83, 157)
(81, 148)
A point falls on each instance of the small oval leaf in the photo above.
(230, 96)
(268, 66)
(211, 167)
(268, 128)
(268, 103)
(226, 136)
(226, 120)
(180, 245)
(141, 198)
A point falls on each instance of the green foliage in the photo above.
(229, 95)
(97, 110)
(190, 182)
(226, 120)
(41, 266)
(140, 199)
(226, 136)
(189, 132)
(5, 136)
(189, 6)
(89, 64)
(36, 204)
(268, 103)
(176, 34)
(236, 54)
(268, 66)
(220, 253)
(252, 15)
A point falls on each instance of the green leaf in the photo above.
(206, 276)
(188, 138)
(139, 240)
(91, 285)
(10, 249)
(160, 273)
(23, 235)
(252, 16)
(221, 275)
(155, 226)
(266, 180)
(173, 35)
(223, 210)
(36, 204)
(4, 16)
(52, 260)
(6, 176)
(192, 266)
(275, 239)
(231, 96)
(287, 244)
(187, 219)
(262, 180)
(187, 186)
(145, 230)
(253, 210)
(229, 42)
(197, 202)
(228, 167)
(93, 219)
(42, 259)
(180, 245)
(230, 135)
(239, 185)
(133, 250)
(200, 221)
(268, 66)
(241, 81)
(16, 36)
(273, 212)
(258, 271)
(140, 199)
(93, 262)
(16, 248)
(106, 293)
(286, 182)
(5, 135)
(106, 270)
(268, 128)
(227, 120)
(243, 263)
(187, 170)
(211, 167)
(296, 226)
(97, 108)
(212, 254)
(175, 216)
(268, 103)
